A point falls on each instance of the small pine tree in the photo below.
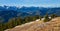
(46, 18)
(18, 21)
(26, 19)
(40, 17)
(11, 23)
(53, 15)
(1, 27)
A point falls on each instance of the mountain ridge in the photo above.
(13, 11)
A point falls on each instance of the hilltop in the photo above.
(53, 25)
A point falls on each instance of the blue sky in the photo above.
(43, 3)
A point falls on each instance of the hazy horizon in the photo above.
(28, 3)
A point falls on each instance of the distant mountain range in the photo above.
(7, 12)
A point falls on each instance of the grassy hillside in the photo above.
(53, 25)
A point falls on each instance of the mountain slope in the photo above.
(6, 15)
(8, 12)
(53, 25)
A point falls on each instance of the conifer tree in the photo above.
(46, 18)
(18, 21)
(1, 27)
(53, 15)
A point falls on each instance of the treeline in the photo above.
(48, 18)
(18, 21)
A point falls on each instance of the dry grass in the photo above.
(53, 25)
